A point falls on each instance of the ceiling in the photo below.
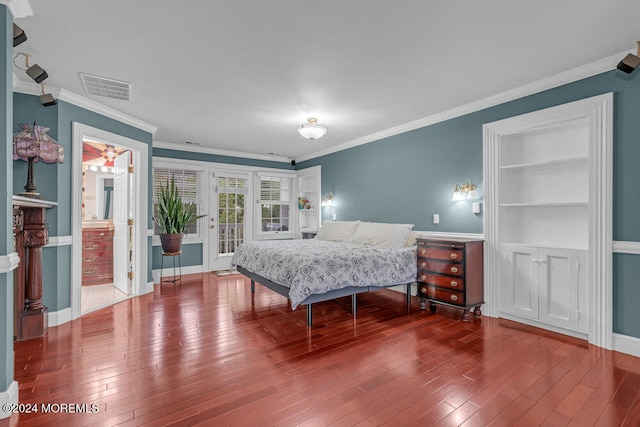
(242, 75)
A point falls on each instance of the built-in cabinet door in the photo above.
(520, 288)
(558, 287)
(542, 284)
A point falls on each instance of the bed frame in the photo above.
(313, 298)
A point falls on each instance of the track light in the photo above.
(18, 35)
(46, 98)
(630, 62)
(36, 72)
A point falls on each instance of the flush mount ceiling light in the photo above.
(312, 130)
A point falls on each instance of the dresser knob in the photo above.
(423, 277)
(454, 283)
(89, 260)
(90, 271)
(454, 269)
(454, 298)
(454, 255)
(423, 252)
(423, 290)
(423, 265)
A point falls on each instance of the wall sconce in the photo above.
(464, 191)
(328, 201)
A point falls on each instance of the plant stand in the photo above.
(176, 278)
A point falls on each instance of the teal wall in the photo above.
(191, 255)
(54, 183)
(408, 177)
(6, 215)
(213, 158)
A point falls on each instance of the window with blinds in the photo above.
(275, 204)
(188, 185)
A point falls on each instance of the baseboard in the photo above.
(8, 397)
(626, 344)
(148, 288)
(59, 317)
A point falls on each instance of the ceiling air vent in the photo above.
(109, 88)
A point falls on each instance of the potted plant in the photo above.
(172, 217)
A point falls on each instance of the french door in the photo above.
(229, 217)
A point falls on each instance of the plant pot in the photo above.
(171, 243)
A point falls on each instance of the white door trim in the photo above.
(599, 111)
(140, 163)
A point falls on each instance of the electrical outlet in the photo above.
(436, 218)
(334, 216)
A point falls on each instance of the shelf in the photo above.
(549, 163)
(545, 205)
(308, 210)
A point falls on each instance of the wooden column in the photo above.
(32, 314)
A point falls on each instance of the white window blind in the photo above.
(188, 185)
(275, 205)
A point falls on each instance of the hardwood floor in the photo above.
(207, 353)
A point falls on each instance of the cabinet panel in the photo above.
(521, 286)
(559, 287)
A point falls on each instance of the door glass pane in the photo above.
(230, 213)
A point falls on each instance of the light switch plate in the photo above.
(334, 216)
(475, 207)
(436, 218)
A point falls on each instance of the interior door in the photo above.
(121, 215)
(229, 216)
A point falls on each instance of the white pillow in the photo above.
(337, 231)
(380, 234)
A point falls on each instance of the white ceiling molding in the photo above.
(219, 152)
(80, 101)
(569, 76)
(18, 8)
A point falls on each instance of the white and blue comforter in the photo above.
(314, 266)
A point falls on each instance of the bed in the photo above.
(338, 262)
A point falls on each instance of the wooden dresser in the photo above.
(97, 256)
(450, 272)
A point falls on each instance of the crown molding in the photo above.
(80, 101)
(218, 152)
(18, 8)
(569, 76)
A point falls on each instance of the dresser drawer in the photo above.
(441, 267)
(444, 254)
(454, 283)
(100, 254)
(442, 295)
